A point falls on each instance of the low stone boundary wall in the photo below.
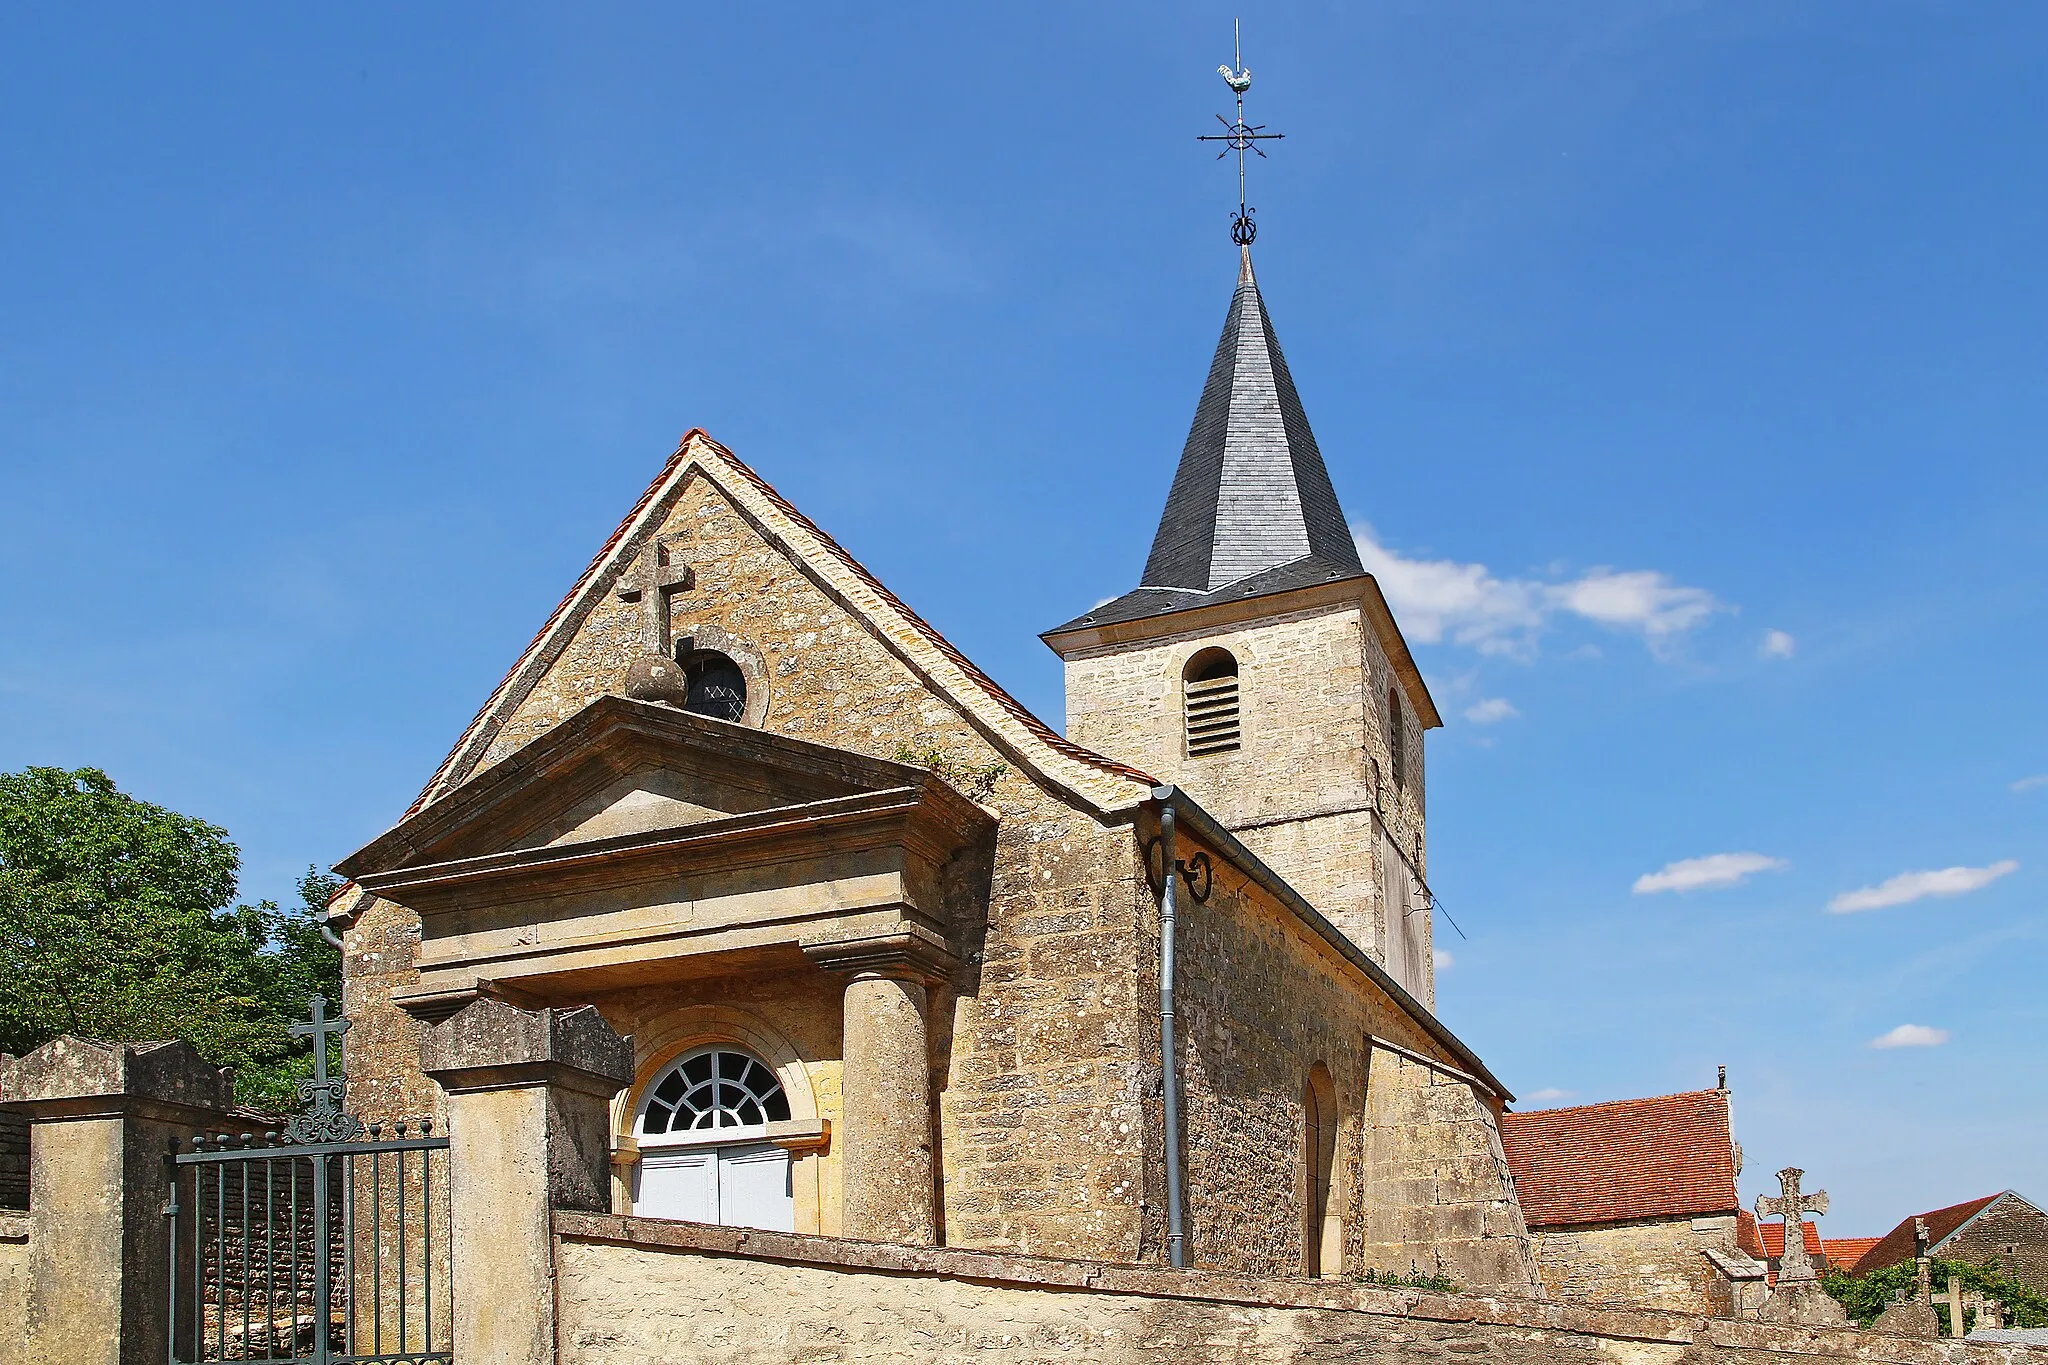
(636, 1291)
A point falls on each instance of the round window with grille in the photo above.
(713, 1088)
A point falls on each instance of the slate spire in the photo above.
(1251, 510)
(1252, 493)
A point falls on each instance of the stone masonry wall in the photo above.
(1261, 999)
(13, 1161)
(636, 1293)
(1439, 1198)
(1313, 689)
(2010, 1223)
(1655, 1263)
(1038, 1042)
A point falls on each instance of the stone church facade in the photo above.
(888, 946)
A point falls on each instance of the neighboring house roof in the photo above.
(1766, 1241)
(1036, 747)
(1847, 1251)
(1671, 1156)
(1942, 1224)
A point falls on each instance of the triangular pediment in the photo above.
(618, 769)
(1025, 741)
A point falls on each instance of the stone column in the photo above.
(529, 1095)
(105, 1118)
(888, 1193)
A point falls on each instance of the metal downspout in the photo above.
(1169, 1057)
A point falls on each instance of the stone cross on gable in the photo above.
(1793, 1207)
(651, 582)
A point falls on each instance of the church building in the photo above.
(889, 946)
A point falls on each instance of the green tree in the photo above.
(117, 922)
(1864, 1297)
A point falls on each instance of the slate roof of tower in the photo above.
(1252, 510)
(1668, 1157)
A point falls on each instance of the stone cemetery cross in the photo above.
(1923, 1273)
(1793, 1207)
(651, 583)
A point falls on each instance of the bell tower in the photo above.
(1257, 666)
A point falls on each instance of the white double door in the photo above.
(746, 1186)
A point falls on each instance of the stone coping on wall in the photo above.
(14, 1227)
(1005, 1269)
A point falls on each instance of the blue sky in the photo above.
(331, 345)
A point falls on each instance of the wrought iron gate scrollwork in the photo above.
(324, 1241)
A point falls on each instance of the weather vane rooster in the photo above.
(1239, 137)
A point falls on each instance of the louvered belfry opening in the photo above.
(1209, 686)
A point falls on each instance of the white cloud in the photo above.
(1698, 874)
(1777, 644)
(1549, 1092)
(1442, 959)
(1911, 1035)
(1491, 711)
(2027, 784)
(1442, 599)
(1908, 887)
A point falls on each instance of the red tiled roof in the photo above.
(1897, 1245)
(1847, 1251)
(1772, 1235)
(1667, 1157)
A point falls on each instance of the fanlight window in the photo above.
(714, 1088)
(1209, 690)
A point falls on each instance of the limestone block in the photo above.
(103, 1118)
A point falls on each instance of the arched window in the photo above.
(716, 686)
(1322, 1228)
(713, 1088)
(702, 1127)
(1397, 738)
(1209, 692)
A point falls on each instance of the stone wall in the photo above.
(1315, 761)
(1655, 1262)
(13, 1161)
(1038, 1046)
(1419, 1181)
(640, 1291)
(2011, 1222)
(1439, 1198)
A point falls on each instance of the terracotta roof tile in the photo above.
(1667, 1157)
(1897, 1245)
(1847, 1251)
(1772, 1235)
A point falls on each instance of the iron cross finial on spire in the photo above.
(1240, 137)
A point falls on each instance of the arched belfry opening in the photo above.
(1397, 739)
(1209, 701)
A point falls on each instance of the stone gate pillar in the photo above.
(104, 1120)
(529, 1131)
(888, 1191)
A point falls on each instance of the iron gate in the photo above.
(325, 1241)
